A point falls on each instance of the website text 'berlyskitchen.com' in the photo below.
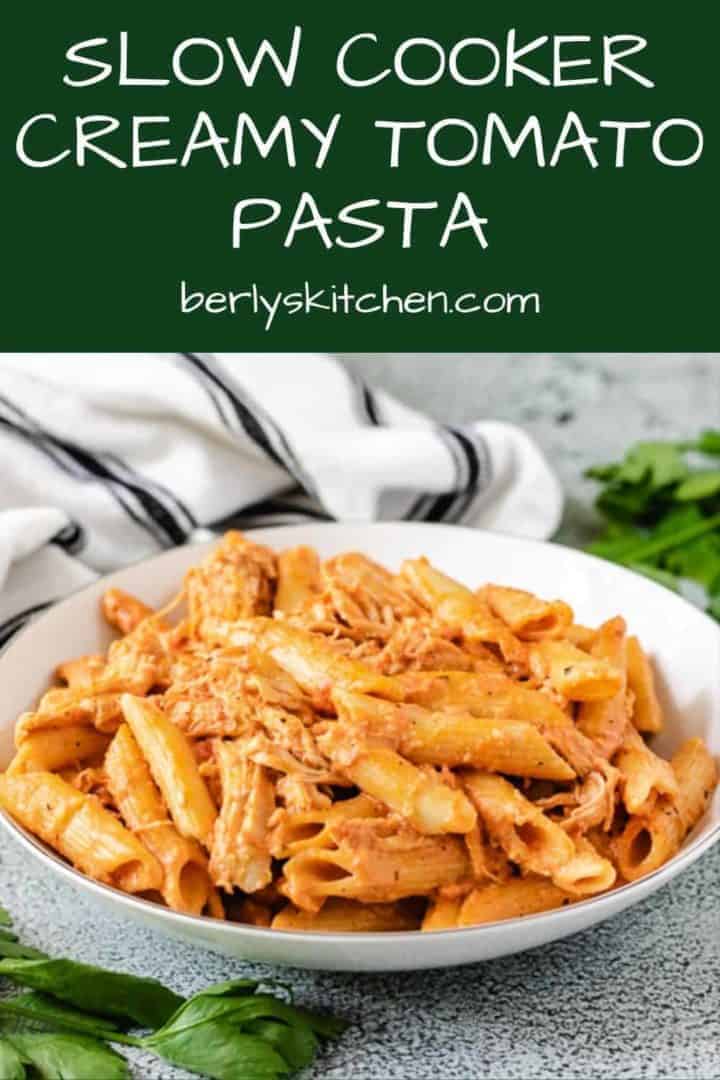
(343, 300)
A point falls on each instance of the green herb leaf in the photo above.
(11, 1064)
(227, 1031)
(660, 463)
(221, 1051)
(616, 542)
(699, 485)
(125, 997)
(624, 502)
(5, 917)
(709, 442)
(15, 951)
(663, 512)
(68, 1057)
(698, 560)
(297, 1045)
(604, 473)
(37, 1010)
(713, 607)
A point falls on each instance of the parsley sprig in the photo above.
(661, 506)
(61, 1028)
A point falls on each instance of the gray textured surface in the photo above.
(638, 996)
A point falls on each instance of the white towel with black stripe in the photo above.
(107, 459)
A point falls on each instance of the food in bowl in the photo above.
(332, 746)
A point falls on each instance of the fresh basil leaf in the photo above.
(713, 607)
(5, 917)
(196, 1036)
(698, 560)
(11, 1064)
(218, 1049)
(125, 997)
(660, 463)
(614, 544)
(69, 1057)
(14, 951)
(603, 473)
(709, 442)
(679, 517)
(699, 485)
(626, 502)
(328, 1027)
(38, 1010)
(7, 935)
(296, 1044)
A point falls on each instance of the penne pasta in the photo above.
(443, 913)
(298, 579)
(650, 839)
(647, 713)
(58, 748)
(84, 671)
(644, 775)
(240, 854)
(81, 829)
(341, 916)
(455, 738)
(70, 707)
(586, 873)
(697, 777)
(574, 674)
(461, 610)
(311, 661)
(419, 795)
(498, 698)
(604, 721)
(527, 835)
(186, 884)
(123, 611)
(294, 832)
(529, 617)
(511, 900)
(173, 768)
(402, 866)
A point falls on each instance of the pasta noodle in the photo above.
(330, 746)
(78, 825)
(337, 916)
(186, 884)
(531, 618)
(58, 748)
(647, 713)
(174, 769)
(443, 737)
(604, 721)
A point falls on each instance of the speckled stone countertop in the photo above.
(639, 995)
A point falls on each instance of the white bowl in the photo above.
(684, 643)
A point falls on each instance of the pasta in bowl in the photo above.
(281, 744)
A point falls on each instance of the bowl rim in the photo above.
(681, 860)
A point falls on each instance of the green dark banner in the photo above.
(317, 177)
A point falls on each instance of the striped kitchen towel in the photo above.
(107, 459)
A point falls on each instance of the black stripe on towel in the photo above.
(139, 503)
(71, 538)
(440, 507)
(252, 418)
(364, 402)
(12, 625)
